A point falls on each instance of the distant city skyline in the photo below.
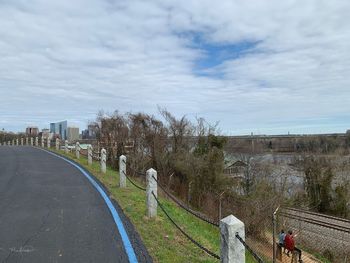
(324, 131)
(267, 67)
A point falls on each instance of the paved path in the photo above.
(49, 212)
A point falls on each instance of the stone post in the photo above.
(17, 142)
(9, 143)
(89, 148)
(36, 141)
(42, 142)
(232, 250)
(57, 144)
(31, 141)
(22, 141)
(13, 142)
(103, 160)
(122, 171)
(77, 150)
(151, 187)
(27, 141)
(48, 143)
(66, 150)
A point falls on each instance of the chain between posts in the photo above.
(185, 207)
(184, 233)
(137, 186)
(137, 172)
(258, 259)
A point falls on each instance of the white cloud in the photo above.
(67, 59)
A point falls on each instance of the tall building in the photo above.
(59, 128)
(45, 133)
(72, 134)
(90, 132)
(32, 131)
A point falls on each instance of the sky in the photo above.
(261, 66)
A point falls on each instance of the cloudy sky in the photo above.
(266, 67)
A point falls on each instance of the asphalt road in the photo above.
(50, 212)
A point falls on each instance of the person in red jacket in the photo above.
(290, 244)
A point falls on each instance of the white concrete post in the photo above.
(13, 142)
(17, 142)
(36, 141)
(9, 143)
(103, 160)
(31, 141)
(89, 148)
(232, 250)
(77, 150)
(57, 144)
(42, 142)
(122, 171)
(48, 143)
(151, 187)
(22, 141)
(27, 141)
(66, 150)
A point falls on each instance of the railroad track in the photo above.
(331, 222)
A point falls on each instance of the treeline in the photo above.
(190, 167)
(8, 136)
(324, 192)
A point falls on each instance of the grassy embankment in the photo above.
(163, 241)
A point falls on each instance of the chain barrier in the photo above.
(196, 214)
(258, 259)
(134, 184)
(184, 233)
(137, 172)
